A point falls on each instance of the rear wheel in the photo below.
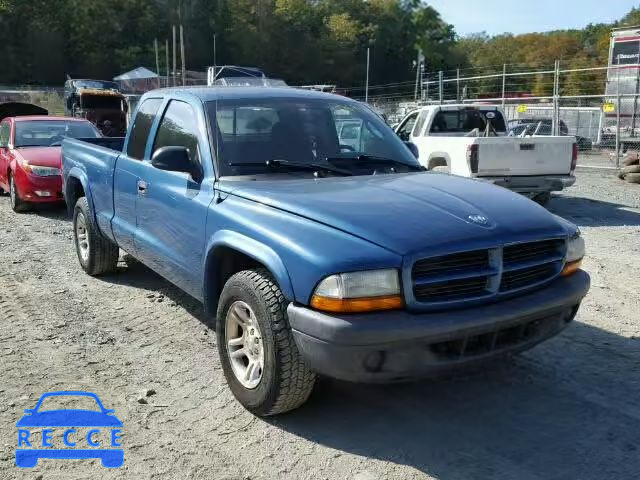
(259, 357)
(542, 198)
(97, 254)
(17, 204)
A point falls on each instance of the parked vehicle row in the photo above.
(317, 253)
(527, 127)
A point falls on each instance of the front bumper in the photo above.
(37, 189)
(533, 183)
(399, 345)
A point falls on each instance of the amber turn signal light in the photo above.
(571, 268)
(356, 305)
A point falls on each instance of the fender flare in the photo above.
(252, 248)
(81, 176)
(443, 155)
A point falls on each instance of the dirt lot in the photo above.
(568, 409)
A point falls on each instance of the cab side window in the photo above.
(404, 132)
(141, 127)
(4, 134)
(178, 128)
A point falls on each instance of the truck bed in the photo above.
(94, 160)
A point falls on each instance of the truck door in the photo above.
(172, 206)
(127, 175)
(406, 126)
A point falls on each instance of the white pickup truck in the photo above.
(471, 140)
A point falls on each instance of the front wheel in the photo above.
(97, 254)
(17, 204)
(259, 357)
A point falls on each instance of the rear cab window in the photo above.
(141, 127)
(465, 120)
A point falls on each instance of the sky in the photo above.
(522, 16)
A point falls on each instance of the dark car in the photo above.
(544, 126)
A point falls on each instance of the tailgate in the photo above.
(524, 156)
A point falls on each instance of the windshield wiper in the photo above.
(362, 157)
(300, 166)
(307, 166)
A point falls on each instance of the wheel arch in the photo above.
(438, 159)
(230, 252)
(76, 186)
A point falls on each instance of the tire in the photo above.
(284, 382)
(17, 204)
(632, 177)
(542, 198)
(97, 255)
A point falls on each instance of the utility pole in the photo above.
(556, 94)
(155, 44)
(419, 74)
(215, 59)
(173, 71)
(182, 55)
(366, 87)
(166, 53)
(504, 82)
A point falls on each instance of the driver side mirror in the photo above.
(176, 159)
(413, 148)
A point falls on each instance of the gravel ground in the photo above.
(568, 409)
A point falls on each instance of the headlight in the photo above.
(575, 253)
(365, 291)
(44, 171)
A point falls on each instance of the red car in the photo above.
(30, 157)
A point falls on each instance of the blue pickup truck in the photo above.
(313, 257)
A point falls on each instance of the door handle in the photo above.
(142, 187)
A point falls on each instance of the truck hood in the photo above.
(409, 213)
(41, 156)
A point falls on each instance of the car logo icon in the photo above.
(103, 430)
(479, 219)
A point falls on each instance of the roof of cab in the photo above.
(24, 118)
(206, 94)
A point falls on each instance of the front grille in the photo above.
(451, 289)
(480, 274)
(526, 276)
(535, 251)
(451, 263)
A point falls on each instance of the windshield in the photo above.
(43, 133)
(95, 84)
(256, 134)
